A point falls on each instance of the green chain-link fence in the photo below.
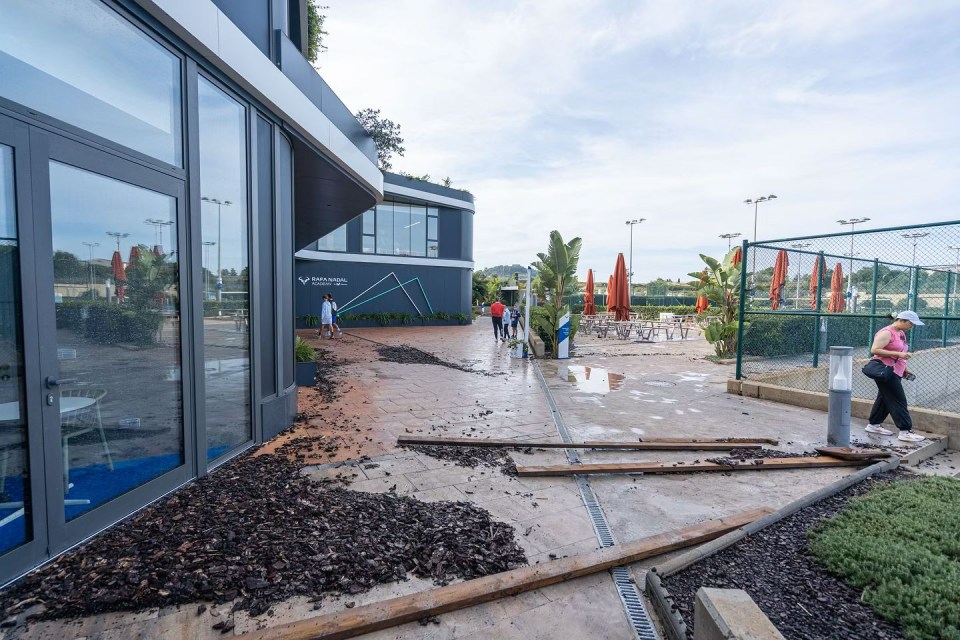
(862, 278)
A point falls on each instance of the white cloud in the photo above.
(577, 116)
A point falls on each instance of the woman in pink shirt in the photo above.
(890, 348)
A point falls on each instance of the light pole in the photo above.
(801, 246)
(219, 203)
(756, 203)
(630, 223)
(853, 222)
(116, 235)
(916, 238)
(729, 237)
(91, 245)
(956, 276)
(206, 262)
(158, 226)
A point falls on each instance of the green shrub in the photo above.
(792, 334)
(302, 351)
(102, 322)
(900, 545)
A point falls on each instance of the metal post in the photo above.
(914, 286)
(743, 303)
(873, 299)
(840, 391)
(526, 311)
(821, 267)
(946, 310)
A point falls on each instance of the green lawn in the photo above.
(900, 544)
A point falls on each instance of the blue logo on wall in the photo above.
(564, 332)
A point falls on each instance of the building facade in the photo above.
(161, 161)
(409, 257)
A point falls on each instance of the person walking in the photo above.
(333, 317)
(496, 313)
(514, 320)
(326, 318)
(887, 367)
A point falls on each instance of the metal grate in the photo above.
(626, 588)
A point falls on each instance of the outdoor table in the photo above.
(10, 411)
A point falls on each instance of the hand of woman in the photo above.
(904, 356)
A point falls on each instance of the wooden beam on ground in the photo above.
(764, 464)
(390, 613)
(772, 441)
(848, 453)
(645, 445)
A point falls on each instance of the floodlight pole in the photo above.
(853, 222)
(799, 245)
(756, 203)
(729, 236)
(911, 297)
(630, 223)
(956, 276)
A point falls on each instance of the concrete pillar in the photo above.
(730, 614)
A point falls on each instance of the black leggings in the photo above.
(498, 328)
(892, 401)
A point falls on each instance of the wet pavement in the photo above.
(609, 390)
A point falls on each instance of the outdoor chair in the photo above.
(77, 422)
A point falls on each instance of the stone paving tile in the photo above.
(399, 484)
(444, 493)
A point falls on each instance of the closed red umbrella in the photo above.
(837, 300)
(819, 267)
(588, 307)
(779, 279)
(119, 275)
(621, 288)
(737, 256)
(134, 255)
(610, 294)
(158, 251)
(702, 302)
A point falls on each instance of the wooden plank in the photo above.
(390, 613)
(768, 464)
(772, 441)
(848, 453)
(645, 445)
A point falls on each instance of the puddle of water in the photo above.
(592, 379)
(660, 383)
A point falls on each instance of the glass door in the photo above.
(109, 274)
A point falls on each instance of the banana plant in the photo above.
(557, 271)
(721, 286)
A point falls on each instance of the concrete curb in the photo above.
(673, 623)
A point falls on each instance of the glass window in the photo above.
(401, 229)
(432, 228)
(368, 244)
(432, 249)
(80, 62)
(336, 240)
(118, 334)
(418, 231)
(226, 335)
(385, 228)
(16, 472)
(368, 229)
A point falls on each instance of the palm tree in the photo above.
(558, 275)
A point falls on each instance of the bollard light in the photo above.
(840, 387)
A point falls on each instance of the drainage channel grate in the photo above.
(626, 587)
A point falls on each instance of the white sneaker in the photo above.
(910, 436)
(875, 428)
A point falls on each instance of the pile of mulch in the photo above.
(472, 457)
(257, 532)
(736, 457)
(329, 374)
(799, 596)
(405, 354)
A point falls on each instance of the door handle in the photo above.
(56, 382)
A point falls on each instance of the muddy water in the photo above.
(592, 379)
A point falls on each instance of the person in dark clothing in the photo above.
(890, 348)
(496, 313)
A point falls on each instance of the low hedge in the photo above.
(400, 319)
(899, 545)
(106, 323)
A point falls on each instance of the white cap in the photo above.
(911, 316)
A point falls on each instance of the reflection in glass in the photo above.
(368, 222)
(385, 228)
(226, 336)
(118, 335)
(418, 231)
(401, 229)
(15, 515)
(336, 240)
(368, 244)
(80, 62)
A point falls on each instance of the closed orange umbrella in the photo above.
(610, 294)
(588, 307)
(134, 255)
(779, 279)
(819, 267)
(119, 274)
(621, 288)
(737, 256)
(702, 302)
(837, 300)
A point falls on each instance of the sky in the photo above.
(579, 116)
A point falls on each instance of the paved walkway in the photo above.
(634, 390)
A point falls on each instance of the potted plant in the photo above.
(518, 347)
(306, 359)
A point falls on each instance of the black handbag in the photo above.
(875, 370)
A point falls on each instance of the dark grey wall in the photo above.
(266, 292)
(447, 288)
(455, 230)
(428, 187)
(253, 17)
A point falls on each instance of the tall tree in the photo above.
(315, 32)
(385, 133)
